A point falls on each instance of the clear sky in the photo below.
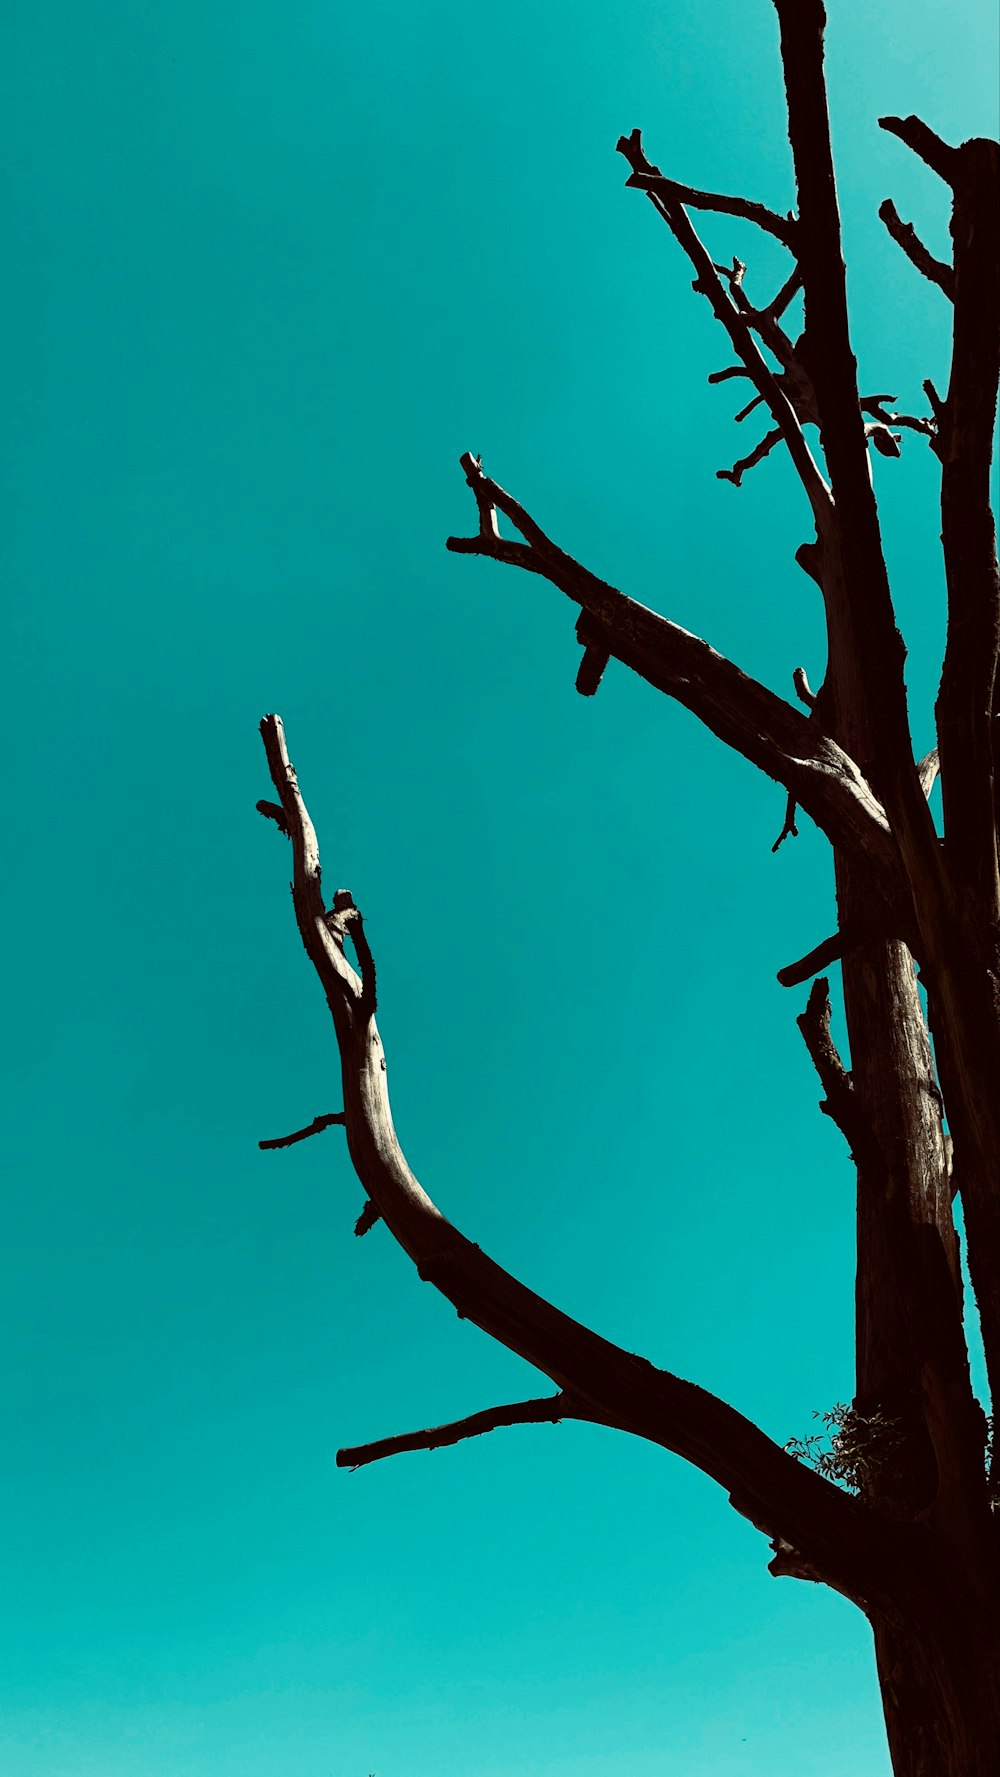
(270, 269)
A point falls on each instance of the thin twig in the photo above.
(731, 370)
(875, 405)
(757, 455)
(313, 1128)
(736, 323)
(789, 830)
(548, 1410)
(747, 410)
(782, 227)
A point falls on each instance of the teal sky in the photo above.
(271, 268)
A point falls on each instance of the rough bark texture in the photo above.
(914, 1543)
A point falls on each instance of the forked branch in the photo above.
(779, 739)
(839, 1538)
(735, 316)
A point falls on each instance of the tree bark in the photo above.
(938, 1679)
(919, 1549)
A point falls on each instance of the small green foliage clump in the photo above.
(867, 1454)
(854, 1450)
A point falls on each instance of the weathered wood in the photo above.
(918, 1547)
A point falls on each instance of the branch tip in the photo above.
(789, 830)
(549, 1410)
(367, 1219)
(924, 142)
(273, 811)
(313, 1128)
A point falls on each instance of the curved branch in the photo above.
(763, 727)
(848, 1545)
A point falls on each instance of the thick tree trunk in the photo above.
(940, 1694)
(938, 1653)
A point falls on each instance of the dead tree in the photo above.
(913, 1542)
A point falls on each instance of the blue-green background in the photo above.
(270, 268)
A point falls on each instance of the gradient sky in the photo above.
(271, 268)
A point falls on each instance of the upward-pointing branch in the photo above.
(663, 194)
(865, 686)
(837, 1537)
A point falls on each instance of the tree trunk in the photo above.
(939, 1680)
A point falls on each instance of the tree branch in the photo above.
(848, 1545)
(736, 322)
(367, 1219)
(921, 138)
(875, 405)
(779, 739)
(549, 1410)
(905, 235)
(672, 191)
(831, 950)
(757, 455)
(313, 1128)
(789, 830)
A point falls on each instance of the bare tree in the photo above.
(911, 1538)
